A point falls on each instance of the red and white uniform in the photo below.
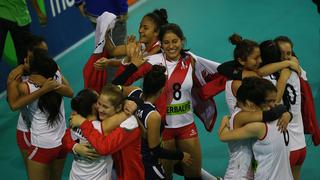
(308, 110)
(23, 133)
(240, 156)
(96, 79)
(295, 127)
(272, 155)
(42, 134)
(147, 51)
(230, 98)
(124, 143)
(22, 125)
(207, 80)
(82, 168)
(178, 89)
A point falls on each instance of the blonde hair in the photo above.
(114, 93)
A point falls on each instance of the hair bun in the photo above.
(162, 14)
(235, 39)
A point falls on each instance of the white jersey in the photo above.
(272, 155)
(230, 98)
(295, 127)
(82, 168)
(179, 111)
(23, 125)
(145, 51)
(240, 157)
(42, 134)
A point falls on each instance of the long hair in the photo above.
(50, 102)
(270, 53)
(175, 29)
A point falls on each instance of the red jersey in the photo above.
(94, 79)
(123, 144)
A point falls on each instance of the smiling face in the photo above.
(172, 45)
(253, 61)
(105, 108)
(147, 31)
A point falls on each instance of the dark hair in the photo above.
(50, 102)
(159, 17)
(114, 93)
(154, 80)
(175, 29)
(283, 39)
(255, 90)
(270, 52)
(34, 42)
(244, 47)
(83, 101)
(42, 64)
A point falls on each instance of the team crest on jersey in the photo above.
(184, 65)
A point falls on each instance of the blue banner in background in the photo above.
(65, 25)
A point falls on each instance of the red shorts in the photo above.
(185, 132)
(297, 157)
(46, 156)
(23, 140)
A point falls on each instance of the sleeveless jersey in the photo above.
(240, 157)
(272, 154)
(230, 98)
(42, 134)
(142, 113)
(23, 124)
(83, 168)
